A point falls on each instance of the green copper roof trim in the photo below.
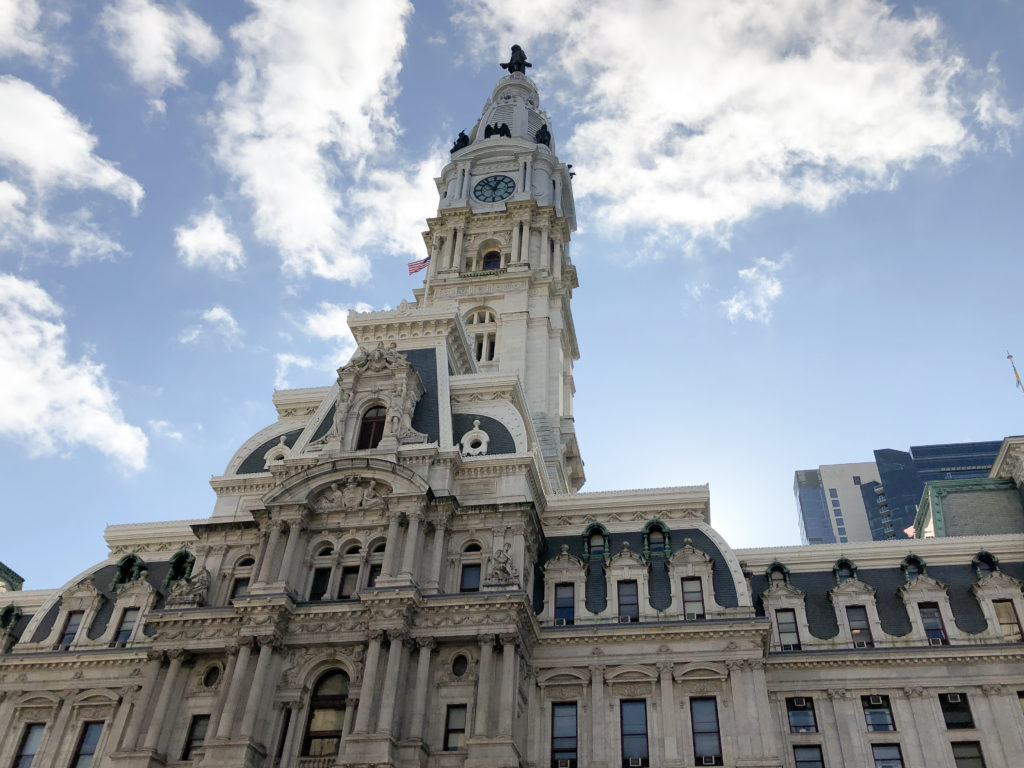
(931, 499)
(10, 576)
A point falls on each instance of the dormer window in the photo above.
(656, 540)
(844, 570)
(596, 543)
(180, 566)
(128, 569)
(371, 429)
(985, 563)
(777, 575)
(913, 567)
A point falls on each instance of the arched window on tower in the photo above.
(492, 260)
(326, 715)
(484, 331)
(371, 428)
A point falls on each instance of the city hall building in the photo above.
(402, 571)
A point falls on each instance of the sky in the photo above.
(799, 238)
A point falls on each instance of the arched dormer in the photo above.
(129, 568)
(691, 576)
(843, 570)
(985, 563)
(657, 539)
(180, 566)
(912, 567)
(777, 573)
(597, 542)
(627, 586)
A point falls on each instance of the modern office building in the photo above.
(400, 570)
(830, 505)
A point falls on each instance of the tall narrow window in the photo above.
(455, 728)
(931, 618)
(956, 712)
(878, 713)
(801, 715)
(860, 629)
(563, 735)
(693, 598)
(321, 579)
(808, 757)
(87, 743)
(887, 755)
(629, 601)
(349, 582)
(371, 428)
(470, 579)
(1009, 623)
(789, 634)
(127, 625)
(596, 543)
(29, 745)
(707, 742)
(373, 574)
(967, 754)
(656, 540)
(197, 735)
(633, 719)
(565, 604)
(67, 637)
(326, 715)
(240, 587)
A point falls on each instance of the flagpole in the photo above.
(1020, 385)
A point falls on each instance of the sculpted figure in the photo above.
(371, 499)
(518, 62)
(351, 494)
(461, 142)
(190, 591)
(543, 136)
(341, 411)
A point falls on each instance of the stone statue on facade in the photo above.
(189, 592)
(518, 62)
(543, 136)
(461, 142)
(502, 570)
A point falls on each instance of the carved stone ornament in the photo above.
(354, 494)
(474, 442)
(190, 592)
(502, 570)
(377, 359)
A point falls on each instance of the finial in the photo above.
(518, 62)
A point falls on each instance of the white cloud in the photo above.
(55, 403)
(149, 38)
(329, 322)
(695, 115)
(163, 428)
(217, 320)
(285, 361)
(206, 242)
(763, 288)
(309, 113)
(18, 32)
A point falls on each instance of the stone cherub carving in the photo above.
(349, 497)
(518, 62)
(377, 359)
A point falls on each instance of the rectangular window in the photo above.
(633, 719)
(860, 630)
(967, 754)
(87, 745)
(801, 715)
(197, 734)
(878, 713)
(693, 598)
(124, 630)
(349, 582)
(956, 711)
(629, 602)
(808, 757)
(833, 493)
(74, 621)
(1009, 623)
(931, 618)
(842, 540)
(455, 728)
(1020, 700)
(563, 734)
(856, 479)
(321, 578)
(789, 635)
(841, 530)
(887, 755)
(29, 745)
(239, 588)
(373, 575)
(565, 604)
(707, 742)
(470, 581)
(835, 502)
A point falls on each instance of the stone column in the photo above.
(850, 724)
(334, 583)
(744, 738)
(392, 546)
(449, 247)
(48, 751)
(268, 554)
(928, 723)
(368, 688)
(524, 256)
(483, 687)
(460, 235)
(517, 235)
(987, 710)
(440, 540)
(222, 694)
(597, 714)
(294, 726)
(350, 716)
(546, 257)
(156, 725)
(419, 697)
(559, 257)
(234, 696)
(508, 684)
(390, 688)
(288, 561)
(412, 544)
(131, 737)
(668, 711)
(528, 177)
(256, 690)
(558, 194)
(1006, 710)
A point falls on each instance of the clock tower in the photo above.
(499, 249)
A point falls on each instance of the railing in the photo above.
(660, 618)
(886, 644)
(317, 762)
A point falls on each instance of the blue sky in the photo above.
(800, 233)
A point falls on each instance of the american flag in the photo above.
(416, 266)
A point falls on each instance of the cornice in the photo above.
(923, 656)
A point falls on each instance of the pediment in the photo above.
(304, 487)
(852, 587)
(701, 671)
(96, 696)
(782, 590)
(632, 673)
(563, 561)
(139, 586)
(353, 493)
(626, 556)
(997, 580)
(690, 555)
(83, 590)
(563, 677)
(922, 585)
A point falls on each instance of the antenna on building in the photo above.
(1016, 375)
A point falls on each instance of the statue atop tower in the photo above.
(518, 62)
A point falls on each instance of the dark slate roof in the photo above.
(725, 588)
(425, 418)
(325, 425)
(658, 585)
(597, 587)
(255, 463)
(500, 438)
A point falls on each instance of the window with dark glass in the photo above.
(887, 755)
(87, 744)
(492, 260)
(71, 625)
(1009, 622)
(808, 757)
(931, 618)
(912, 568)
(459, 665)
(833, 493)
(633, 722)
(127, 625)
(596, 543)
(373, 574)
(29, 746)
(707, 741)
(789, 634)
(629, 601)
(843, 571)
(321, 579)
(956, 711)
(286, 722)
(196, 735)
(878, 713)
(656, 540)
(240, 587)
(470, 579)
(860, 629)
(371, 428)
(349, 582)
(777, 575)
(967, 754)
(326, 715)
(801, 715)
(455, 728)
(565, 604)
(563, 735)
(693, 598)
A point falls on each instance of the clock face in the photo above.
(494, 188)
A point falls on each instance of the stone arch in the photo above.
(302, 487)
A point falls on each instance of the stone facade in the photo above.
(401, 570)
